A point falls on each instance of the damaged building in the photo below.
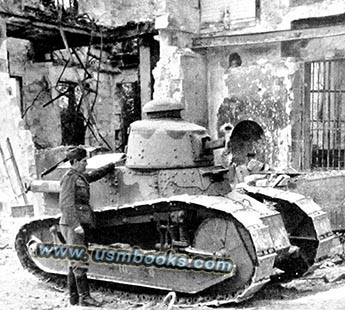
(266, 74)
(69, 80)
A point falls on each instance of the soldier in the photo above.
(77, 220)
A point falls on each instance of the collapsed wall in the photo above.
(12, 129)
(45, 79)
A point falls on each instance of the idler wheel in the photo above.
(218, 235)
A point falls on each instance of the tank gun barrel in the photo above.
(214, 144)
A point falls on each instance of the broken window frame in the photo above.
(130, 110)
(236, 12)
(19, 92)
(69, 90)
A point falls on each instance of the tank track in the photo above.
(182, 300)
(208, 297)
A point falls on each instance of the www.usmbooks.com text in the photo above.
(136, 257)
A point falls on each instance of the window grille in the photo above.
(325, 114)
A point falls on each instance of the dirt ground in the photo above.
(323, 289)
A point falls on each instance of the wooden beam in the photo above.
(19, 22)
(46, 36)
(124, 32)
(219, 40)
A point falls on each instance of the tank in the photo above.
(169, 204)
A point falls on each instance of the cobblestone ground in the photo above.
(324, 289)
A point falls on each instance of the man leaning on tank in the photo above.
(78, 220)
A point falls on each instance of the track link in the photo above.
(205, 298)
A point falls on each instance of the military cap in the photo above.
(77, 153)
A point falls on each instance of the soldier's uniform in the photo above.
(76, 211)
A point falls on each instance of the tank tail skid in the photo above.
(308, 226)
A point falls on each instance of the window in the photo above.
(16, 83)
(229, 12)
(130, 111)
(73, 123)
(324, 112)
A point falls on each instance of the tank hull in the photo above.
(169, 203)
(251, 227)
(220, 224)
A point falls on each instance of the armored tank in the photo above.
(168, 204)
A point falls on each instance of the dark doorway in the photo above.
(247, 137)
(72, 119)
(130, 110)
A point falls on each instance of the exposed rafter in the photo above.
(46, 36)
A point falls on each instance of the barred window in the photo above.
(325, 114)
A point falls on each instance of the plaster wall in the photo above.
(186, 19)
(181, 74)
(279, 14)
(36, 91)
(260, 90)
(120, 12)
(268, 89)
(107, 110)
(12, 127)
(274, 15)
(39, 81)
(323, 48)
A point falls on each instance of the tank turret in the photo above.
(164, 140)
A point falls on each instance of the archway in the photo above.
(247, 137)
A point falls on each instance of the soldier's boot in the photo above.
(72, 288)
(84, 292)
